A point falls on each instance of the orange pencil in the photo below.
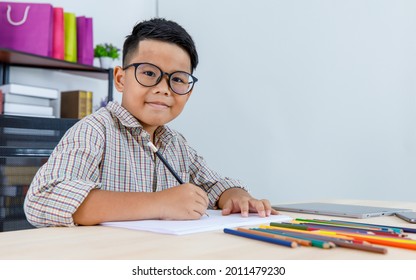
(394, 242)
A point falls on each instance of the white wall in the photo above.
(305, 100)
(302, 100)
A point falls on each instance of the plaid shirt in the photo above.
(108, 150)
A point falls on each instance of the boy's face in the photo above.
(157, 105)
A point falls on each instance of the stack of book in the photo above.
(24, 100)
(76, 104)
(15, 181)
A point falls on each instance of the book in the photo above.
(28, 110)
(89, 102)
(18, 170)
(70, 25)
(9, 212)
(11, 201)
(25, 99)
(58, 48)
(17, 179)
(85, 48)
(29, 131)
(76, 104)
(214, 221)
(35, 91)
(1, 101)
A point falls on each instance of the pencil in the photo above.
(333, 223)
(388, 241)
(346, 243)
(335, 228)
(405, 229)
(277, 241)
(159, 155)
(168, 166)
(315, 242)
(273, 235)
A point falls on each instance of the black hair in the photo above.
(162, 30)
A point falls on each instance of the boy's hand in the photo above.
(237, 200)
(183, 202)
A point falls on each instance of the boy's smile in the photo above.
(155, 105)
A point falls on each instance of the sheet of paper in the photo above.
(215, 221)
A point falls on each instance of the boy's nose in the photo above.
(163, 86)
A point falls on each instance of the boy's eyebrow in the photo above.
(132, 63)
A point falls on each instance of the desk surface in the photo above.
(98, 242)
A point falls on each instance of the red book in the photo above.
(58, 50)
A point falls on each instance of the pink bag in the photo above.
(85, 47)
(26, 27)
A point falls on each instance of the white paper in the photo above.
(215, 221)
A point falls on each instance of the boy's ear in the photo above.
(119, 78)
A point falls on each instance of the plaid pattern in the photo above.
(107, 150)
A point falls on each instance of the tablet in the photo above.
(340, 210)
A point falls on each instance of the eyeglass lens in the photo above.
(150, 75)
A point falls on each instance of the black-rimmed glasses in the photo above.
(149, 75)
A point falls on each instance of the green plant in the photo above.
(106, 50)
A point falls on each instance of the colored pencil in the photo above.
(272, 235)
(337, 241)
(404, 229)
(277, 241)
(327, 222)
(394, 242)
(336, 228)
(315, 242)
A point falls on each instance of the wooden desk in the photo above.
(100, 243)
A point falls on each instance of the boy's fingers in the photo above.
(244, 208)
(226, 209)
(258, 206)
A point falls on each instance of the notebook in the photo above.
(214, 221)
(341, 210)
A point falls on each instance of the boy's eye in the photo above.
(178, 80)
(149, 73)
(181, 78)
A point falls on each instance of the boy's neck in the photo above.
(151, 132)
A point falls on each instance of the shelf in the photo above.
(42, 132)
(36, 123)
(11, 224)
(16, 58)
(30, 140)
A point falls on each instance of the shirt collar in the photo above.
(164, 133)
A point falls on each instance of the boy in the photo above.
(102, 169)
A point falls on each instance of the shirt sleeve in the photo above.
(63, 182)
(211, 181)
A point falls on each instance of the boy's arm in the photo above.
(184, 202)
(236, 200)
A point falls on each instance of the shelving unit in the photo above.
(30, 140)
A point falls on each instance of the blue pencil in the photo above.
(261, 238)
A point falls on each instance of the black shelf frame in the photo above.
(43, 143)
